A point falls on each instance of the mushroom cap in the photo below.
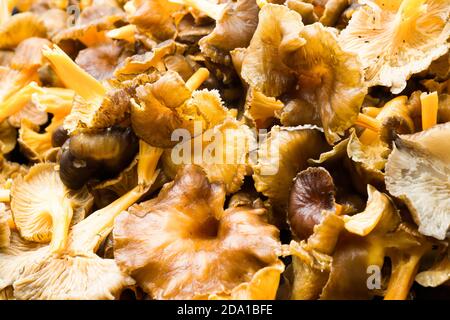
(225, 153)
(5, 231)
(183, 245)
(396, 39)
(19, 27)
(312, 193)
(330, 79)
(277, 35)
(28, 53)
(435, 276)
(281, 156)
(100, 61)
(32, 113)
(39, 200)
(417, 172)
(71, 278)
(234, 29)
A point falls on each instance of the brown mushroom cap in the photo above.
(312, 193)
(183, 245)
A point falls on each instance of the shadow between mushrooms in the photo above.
(184, 245)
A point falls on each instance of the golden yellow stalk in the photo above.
(18, 100)
(73, 76)
(196, 80)
(123, 33)
(429, 103)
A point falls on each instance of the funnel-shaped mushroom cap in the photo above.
(184, 245)
(20, 27)
(396, 39)
(277, 35)
(417, 172)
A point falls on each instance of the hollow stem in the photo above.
(196, 80)
(429, 106)
(368, 122)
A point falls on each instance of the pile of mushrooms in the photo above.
(236, 149)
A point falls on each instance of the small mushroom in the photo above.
(312, 193)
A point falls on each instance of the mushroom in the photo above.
(329, 79)
(28, 54)
(311, 195)
(223, 151)
(20, 27)
(98, 154)
(438, 274)
(261, 109)
(78, 273)
(40, 218)
(32, 113)
(153, 16)
(235, 24)
(417, 171)
(170, 103)
(91, 23)
(217, 250)
(281, 156)
(5, 231)
(396, 39)
(8, 136)
(100, 61)
(276, 36)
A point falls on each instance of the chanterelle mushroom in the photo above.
(417, 172)
(397, 38)
(43, 208)
(77, 272)
(184, 245)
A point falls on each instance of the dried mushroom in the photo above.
(20, 27)
(417, 172)
(219, 252)
(396, 39)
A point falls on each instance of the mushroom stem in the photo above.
(123, 33)
(402, 277)
(54, 100)
(196, 80)
(429, 105)
(368, 122)
(148, 160)
(372, 111)
(4, 195)
(61, 217)
(212, 10)
(18, 100)
(4, 12)
(73, 76)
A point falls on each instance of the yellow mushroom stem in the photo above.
(123, 33)
(196, 80)
(147, 162)
(73, 76)
(60, 225)
(5, 13)
(4, 195)
(212, 10)
(429, 106)
(371, 111)
(55, 100)
(368, 122)
(404, 270)
(18, 100)
(396, 105)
